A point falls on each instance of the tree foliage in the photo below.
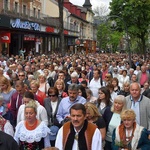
(108, 38)
(136, 15)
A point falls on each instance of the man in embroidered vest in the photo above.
(78, 134)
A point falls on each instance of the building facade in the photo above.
(34, 25)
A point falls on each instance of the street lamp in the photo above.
(113, 23)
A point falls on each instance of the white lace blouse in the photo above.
(30, 136)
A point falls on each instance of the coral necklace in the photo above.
(31, 127)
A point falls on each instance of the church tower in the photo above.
(87, 4)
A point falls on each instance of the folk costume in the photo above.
(88, 138)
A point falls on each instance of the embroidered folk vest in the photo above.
(88, 133)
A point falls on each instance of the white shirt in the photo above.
(94, 86)
(54, 105)
(41, 113)
(96, 141)
(122, 80)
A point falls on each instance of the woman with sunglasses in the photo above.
(51, 104)
(107, 79)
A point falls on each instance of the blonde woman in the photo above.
(43, 85)
(95, 117)
(129, 135)
(34, 85)
(60, 85)
(32, 133)
(6, 90)
(112, 118)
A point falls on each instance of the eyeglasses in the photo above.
(52, 95)
(21, 75)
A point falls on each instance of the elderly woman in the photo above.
(32, 133)
(129, 135)
(112, 118)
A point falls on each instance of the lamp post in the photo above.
(127, 35)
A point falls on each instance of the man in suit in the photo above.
(140, 104)
(7, 142)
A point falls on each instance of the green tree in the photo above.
(114, 40)
(136, 15)
(102, 36)
(108, 37)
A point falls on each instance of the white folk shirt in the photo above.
(96, 141)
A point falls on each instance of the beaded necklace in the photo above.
(31, 127)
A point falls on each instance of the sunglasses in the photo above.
(21, 75)
(106, 77)
(52, 95)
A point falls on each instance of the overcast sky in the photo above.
(93, 2)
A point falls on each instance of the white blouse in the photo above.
(30, 136)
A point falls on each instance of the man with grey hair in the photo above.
(74, 79)
(140, 104)
(67, 102)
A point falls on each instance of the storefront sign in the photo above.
(66, 32)
(49, 29)
(25, 25)
(5, 37)
(29, 38)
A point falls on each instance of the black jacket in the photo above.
(7, 142)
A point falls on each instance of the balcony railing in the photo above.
(18, 11)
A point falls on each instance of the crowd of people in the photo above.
(75, 102)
